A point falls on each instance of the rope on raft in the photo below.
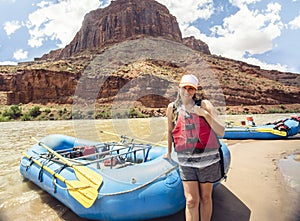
(66, 188)
(141, 186)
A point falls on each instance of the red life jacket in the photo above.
(192, 131)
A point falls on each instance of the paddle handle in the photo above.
(53, 152)
(56, 175)
(140, 140)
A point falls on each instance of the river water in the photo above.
(22, 200)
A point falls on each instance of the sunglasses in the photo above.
(189, 89)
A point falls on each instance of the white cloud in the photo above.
(226, 44)
(295, 23)
(20, 54)
(11, 26)
(240, 3)
(263, 65)
(244, 32)
(58, 21)
(8, 63)
(43, 4)
(247, 32)
(189, 10)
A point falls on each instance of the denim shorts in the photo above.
(209, 174)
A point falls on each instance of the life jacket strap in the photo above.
(192, 140)
(189, 126)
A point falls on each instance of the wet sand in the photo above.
(255, 189)
(256, 181)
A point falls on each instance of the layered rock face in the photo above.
(122, 20)
(196, 44)
(55, 77)
(39, 86)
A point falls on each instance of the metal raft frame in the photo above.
(106, 151)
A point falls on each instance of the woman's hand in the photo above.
(199, 111)
(168, 156)
(209, 113)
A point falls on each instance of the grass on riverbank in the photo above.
(63, 112)
(32, 112)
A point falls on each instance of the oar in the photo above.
(83, 173)
(273, 131)
(79, 190)
(140, 140)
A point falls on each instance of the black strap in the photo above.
(31, 162)
(192, 140)
(40, 176)
(222, 163)
(189, 126)
(54, 177)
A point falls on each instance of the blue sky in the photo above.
(260, 32)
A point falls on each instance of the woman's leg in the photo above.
(191, 193)
(206, 201)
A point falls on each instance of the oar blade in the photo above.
(88, 176)
(85, 195)
(273, 131)
(81, 191)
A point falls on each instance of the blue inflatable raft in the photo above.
(281, 129)
(107, 181)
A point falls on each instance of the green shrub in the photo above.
(103, 115)
(14, 112)
(60, 112)
(26, 117)
(42, 117)
(4, 119)
(133, 113)
(66, 116)
(274, 111)
(47, 110)
(51, 116)
(282, 107)
(35, 111)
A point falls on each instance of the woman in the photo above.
(193, 127)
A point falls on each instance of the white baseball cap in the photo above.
(189, 80)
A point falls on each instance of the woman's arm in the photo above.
(169, 114)
(208, 111)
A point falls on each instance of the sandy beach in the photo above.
(257, 182)
(255, 189)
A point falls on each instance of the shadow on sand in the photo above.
(227, 207)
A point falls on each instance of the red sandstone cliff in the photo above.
(54, 77)
(122, 20)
